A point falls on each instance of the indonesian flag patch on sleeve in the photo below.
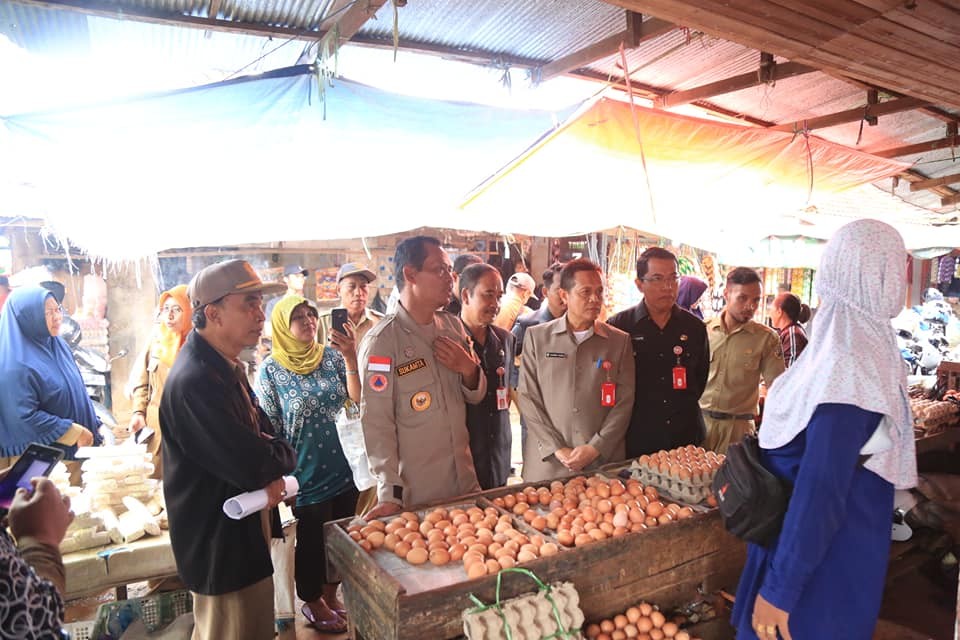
(379, 363)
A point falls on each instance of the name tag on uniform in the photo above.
(410, 367)
(556, 354)
(503, 400)
(608, 394)
(679, 378)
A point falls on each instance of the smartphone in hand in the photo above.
(338, 320)
(37, 460)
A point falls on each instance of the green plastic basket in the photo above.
(156, 612)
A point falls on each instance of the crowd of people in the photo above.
(432, 384)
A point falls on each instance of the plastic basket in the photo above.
(80, 630)
(156, 612)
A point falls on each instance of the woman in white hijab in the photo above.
(845, 399)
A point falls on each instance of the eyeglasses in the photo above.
(53, 313)
(671, 280)
(172, 309)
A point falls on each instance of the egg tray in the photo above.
(691, 492)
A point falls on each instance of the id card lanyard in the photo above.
(679, 371)
(503, 398)
(608, 389)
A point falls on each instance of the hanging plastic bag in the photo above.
(351, 439)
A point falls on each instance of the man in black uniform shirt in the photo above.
(672, 356)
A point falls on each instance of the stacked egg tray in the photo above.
(678, 481)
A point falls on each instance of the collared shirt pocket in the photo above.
(418, 395)
(750, 359)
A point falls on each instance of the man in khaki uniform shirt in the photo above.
(353, 284)
(567, 365)
(419, 372)
(741, 352)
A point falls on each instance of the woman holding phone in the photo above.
(42, 398)
(302, 386)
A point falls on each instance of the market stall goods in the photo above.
(642, 621)
(932, 416)
(685, 473)
(484, 540)
(585, 510)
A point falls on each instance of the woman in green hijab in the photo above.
(302, 386)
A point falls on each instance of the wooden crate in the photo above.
(669, 566)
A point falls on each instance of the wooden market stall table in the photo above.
(88, 572)
(670, 566)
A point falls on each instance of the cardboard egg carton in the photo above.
(529, 617)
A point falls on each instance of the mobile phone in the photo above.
(37, 460)
(338, 320)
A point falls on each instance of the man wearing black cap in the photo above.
(353, 284)
(218, 443)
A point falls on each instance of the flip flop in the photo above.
(337, 625)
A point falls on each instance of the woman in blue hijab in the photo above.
(42, 396)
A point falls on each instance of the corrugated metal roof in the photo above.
(539, 30)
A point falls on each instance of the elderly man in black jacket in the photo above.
(218, 443)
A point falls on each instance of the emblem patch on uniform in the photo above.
(683, 337)
(410, 367)
(378, 382)
(408, 352)
(556, 354)
(420, 401)
(379, 363)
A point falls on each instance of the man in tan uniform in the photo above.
(353, 284)
(576, 383)
(419, 372)
(741, 352)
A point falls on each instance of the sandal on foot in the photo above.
(336, 625)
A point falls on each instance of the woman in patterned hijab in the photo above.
(302, 386)
(837, 427)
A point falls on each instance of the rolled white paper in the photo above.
(240, 506)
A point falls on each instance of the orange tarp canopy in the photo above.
(590, 174)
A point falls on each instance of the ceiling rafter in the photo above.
(896, 105)
(637, 30)
(733, 83)
(349, 16)
(920, 147)
(935, 182)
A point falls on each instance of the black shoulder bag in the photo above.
(752, 501)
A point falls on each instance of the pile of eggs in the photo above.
(484, 540)
(643, 622)
(585, 510)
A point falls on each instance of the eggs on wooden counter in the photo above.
(484, 540)
(585, 510)
(643, 622)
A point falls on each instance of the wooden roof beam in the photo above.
(934, 182)
(105, 9)
(920, 147)
(950, 200)
(729, 85)
(913, 176)
(933, 112)
(636, 32)
(350, 16)
(853, 115)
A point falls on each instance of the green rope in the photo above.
(545, 588)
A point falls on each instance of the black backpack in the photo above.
(752, 501)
